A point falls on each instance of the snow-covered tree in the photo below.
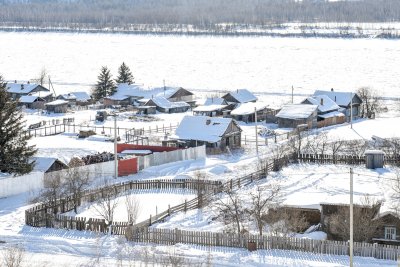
(14, 149)
(105, 85)
(124, 74)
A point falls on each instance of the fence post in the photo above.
(185, 207)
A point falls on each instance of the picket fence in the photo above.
(342, 159)
(174, 236)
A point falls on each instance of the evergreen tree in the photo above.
(14, 150)
(124, 74)
(105, 85)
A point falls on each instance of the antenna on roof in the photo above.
(165, 88)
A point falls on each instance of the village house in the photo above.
(216, 133)
(47, 164)
(126, 94)
(135, 94)
(388, 231)
(164, 105)
(76, 98)
(328, 110)
(344, 100)
(16, 90)
(246, 112)
(32, 102)
(212, 107)
(293, 115)
(239, 96)
(175, 94)
(57, 106)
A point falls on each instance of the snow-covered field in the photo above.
(261, 64)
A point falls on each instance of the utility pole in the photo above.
(115, 147)
(255, 120)
(292, 93)
(351, 217)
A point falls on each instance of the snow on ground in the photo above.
(150, 202)
(261, 64)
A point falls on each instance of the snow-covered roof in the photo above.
(209, 108)
(21, 88)
(214, 101)
(28, 99)
(81, 96)
(202, 128)
(118, 97)
(243, 95)
(68, 96)
(248, 108)
(324, 103)
(165, 103)
(296, 111)
(137, 151)
(43, 164)
(57, 102)
(341, 98)
(331, 114)
(41, 93)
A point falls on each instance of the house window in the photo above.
(390, 233)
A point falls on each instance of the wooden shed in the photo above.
(374, 159)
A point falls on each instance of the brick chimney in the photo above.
(322, 101)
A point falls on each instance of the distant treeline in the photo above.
(204, 14)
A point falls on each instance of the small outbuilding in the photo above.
(240, 96)
(48, 164)
(32, 102)
(374, 159)
(246, 112)
(57, 106)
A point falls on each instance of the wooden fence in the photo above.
(342, 159)
(46, 214)
(173, 236)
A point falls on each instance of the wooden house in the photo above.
(57, 106)
(175, 94)
(328, 110)
(32, 102)
(211, 107)
(46, 164)
(246, 112)
(164, 105)
(76, 98)
(216, 133)
(388, 231)
(347, 101)
(291, 116)
(364, 212)
(16, 90)
(240, 96)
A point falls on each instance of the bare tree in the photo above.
(53, 188)
(263, 199)
(106, 205)
(76, 181)
(336, 147)
(396, 193)
(366, 227)
(371, 104)
(231, 210)
(13, 256)
(132, 208)
(200, 178)
(41, 78)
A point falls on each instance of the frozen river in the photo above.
(262, 64)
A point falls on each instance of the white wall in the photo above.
(11, 185)
(160, 158)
